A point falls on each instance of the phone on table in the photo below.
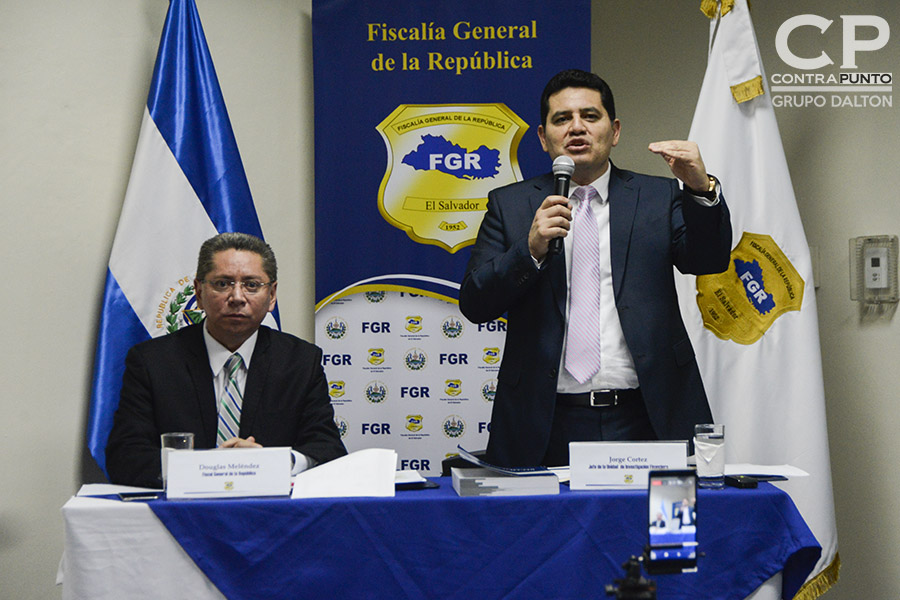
(672, 514)
(139, 496)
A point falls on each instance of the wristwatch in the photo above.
(710, 192)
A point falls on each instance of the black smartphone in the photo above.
(742, 481)
(672, 514)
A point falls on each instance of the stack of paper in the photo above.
(485, 482)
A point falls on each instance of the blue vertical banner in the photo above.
(187, 184)
(421, 108)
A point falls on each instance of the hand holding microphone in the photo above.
(563, 168)
(553, 214)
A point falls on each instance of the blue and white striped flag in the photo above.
(187, 184)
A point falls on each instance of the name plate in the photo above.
(229, 473)
(621, 465)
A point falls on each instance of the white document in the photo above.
(408, 476)
(108, 489)
(369, 472)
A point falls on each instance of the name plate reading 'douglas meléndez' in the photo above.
(229, 473)
(621, 465)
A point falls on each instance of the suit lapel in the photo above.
(202, 379)
(623, 204)
(257, 376)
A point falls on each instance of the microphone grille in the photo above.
(563, 165)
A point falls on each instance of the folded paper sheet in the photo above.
(367, 472)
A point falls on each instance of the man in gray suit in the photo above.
(229, 380)
(617, 365)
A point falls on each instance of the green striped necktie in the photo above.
(230, 402)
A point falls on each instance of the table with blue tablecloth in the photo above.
(431, 543)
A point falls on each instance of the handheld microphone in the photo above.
(563, 168)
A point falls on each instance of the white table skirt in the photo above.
(117, 550)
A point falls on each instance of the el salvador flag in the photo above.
(187, 184)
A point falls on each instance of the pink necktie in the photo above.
(583, 335)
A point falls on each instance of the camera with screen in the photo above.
(671, 535)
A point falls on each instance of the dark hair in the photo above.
(576, 78)
(236, 241)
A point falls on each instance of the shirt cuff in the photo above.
(703, 200)
(301, 463)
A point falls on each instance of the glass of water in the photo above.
(709, 450)
(170, 442)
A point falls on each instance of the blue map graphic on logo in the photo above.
(437, 154)
(750, 274)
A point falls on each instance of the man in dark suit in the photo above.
(686, 513)
(633, 375)
(272, 393)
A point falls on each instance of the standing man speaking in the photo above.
(595, 347)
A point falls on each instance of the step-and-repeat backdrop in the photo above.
(421, 108)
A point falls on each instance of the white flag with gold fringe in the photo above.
(754, 327)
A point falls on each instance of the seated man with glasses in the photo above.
(230, 380)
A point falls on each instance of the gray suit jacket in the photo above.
(653, 226)
(168, 386)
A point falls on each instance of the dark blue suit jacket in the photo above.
(653, 226)
(168, 386)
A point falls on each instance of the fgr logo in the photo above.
(415, 464)
(453, 387)
(414, 422)
(414, 323)
(845, 87)
(336, 389)
(376, 356)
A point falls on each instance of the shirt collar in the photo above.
(219, 354)
(601, 184)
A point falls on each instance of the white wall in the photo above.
(74, 78)
(843, 163)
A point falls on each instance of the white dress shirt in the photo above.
(616, 364)
(218, 356)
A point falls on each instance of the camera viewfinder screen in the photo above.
(673, 518)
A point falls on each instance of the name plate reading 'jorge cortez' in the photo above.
(621, 465)
(229, 473)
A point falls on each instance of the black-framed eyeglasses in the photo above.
(225, 286)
